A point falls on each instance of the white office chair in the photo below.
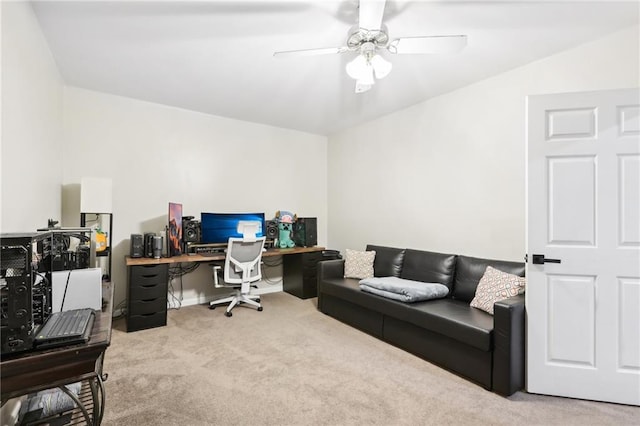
(241, 268)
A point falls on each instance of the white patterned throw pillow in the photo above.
(359, 264)
(494, 286)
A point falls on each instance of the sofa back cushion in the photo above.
(388, 261)
(428, 267)
(469, 270)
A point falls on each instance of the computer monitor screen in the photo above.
(217, 228)
(175, 229)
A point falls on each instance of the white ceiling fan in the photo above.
(369, 36)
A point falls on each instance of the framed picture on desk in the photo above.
(174, 235)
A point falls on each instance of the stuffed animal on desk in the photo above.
(285, 221)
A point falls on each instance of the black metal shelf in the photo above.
(106, 252)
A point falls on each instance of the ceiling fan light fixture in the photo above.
(370, 36)
(381, 66)
(361, 87)
(363, 68)
(357, 68)
(367, 76)
(366, 80)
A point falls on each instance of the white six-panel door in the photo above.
(583, 209)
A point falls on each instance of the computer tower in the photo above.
(137, 246)
(305, 232)
(68, 248)
(25, 296)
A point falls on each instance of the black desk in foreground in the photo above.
(148, 281)
(34, 371)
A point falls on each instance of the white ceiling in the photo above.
(217, 56)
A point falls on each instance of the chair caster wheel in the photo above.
(212, 307)
(259, 308)
(258, 300)
(228, 314)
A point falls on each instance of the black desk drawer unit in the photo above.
(147, 297)
(301, 274)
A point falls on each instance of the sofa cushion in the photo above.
(469, 271)
(495, 286)
(428, 267)
(452, 318)
(358, 264)
(349, 289)
(388, 262)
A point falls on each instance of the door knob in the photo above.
(539, 259)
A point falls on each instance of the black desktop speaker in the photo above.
(305, 231)
(148, 244)
(158, 243)
(137, 246)
(271, 232)
(191, 231)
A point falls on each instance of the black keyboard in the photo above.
(210, 254)
(66, 328)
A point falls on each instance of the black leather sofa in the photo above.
(486, 349)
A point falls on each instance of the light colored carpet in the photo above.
(292, 365)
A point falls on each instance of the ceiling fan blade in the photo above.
(370, 14)
(428, 44)
(310, 52)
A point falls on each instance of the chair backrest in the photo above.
(242, 263)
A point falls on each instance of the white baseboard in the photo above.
(268, 289)
(202, 299)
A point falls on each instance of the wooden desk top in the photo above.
(37, 370)
(142, 261)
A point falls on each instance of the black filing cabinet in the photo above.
(301, 274)
(147, 296)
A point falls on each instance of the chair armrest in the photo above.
(216, 272)
(509, 349)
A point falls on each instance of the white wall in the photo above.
(448, 174)
(445, 175)
(156, 154)
(31, 144)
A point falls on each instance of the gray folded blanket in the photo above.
(48, 402)
(403, 290)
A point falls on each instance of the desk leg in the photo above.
(292, 274)
(98, 395)
(98, 392)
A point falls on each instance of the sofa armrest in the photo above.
(328, 269)
(509, 350)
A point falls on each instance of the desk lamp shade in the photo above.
(95, 195)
